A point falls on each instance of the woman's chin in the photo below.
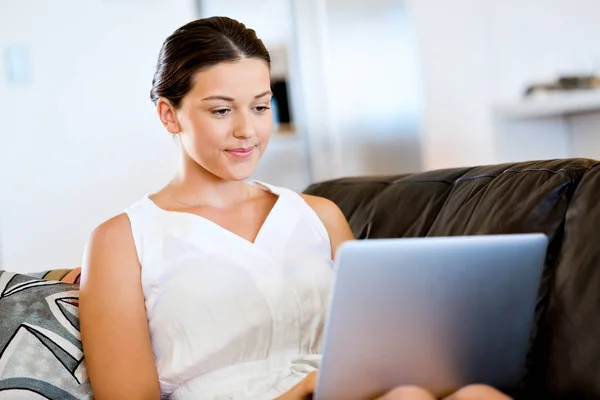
(238, 173)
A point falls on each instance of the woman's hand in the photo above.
(306, 388)
(303, 390)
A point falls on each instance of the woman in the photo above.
(212, 288)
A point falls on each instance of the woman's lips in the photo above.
(241, 153)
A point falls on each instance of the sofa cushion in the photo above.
(504, 198)
(41, 355)
(354, 196)
(566, 357)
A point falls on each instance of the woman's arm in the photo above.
(114, 327)
(334, 220)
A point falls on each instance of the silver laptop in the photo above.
(439, 313)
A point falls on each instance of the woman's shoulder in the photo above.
(325, 209)
(114, 229)
(329, 212)
(110, 248)
(332, 218)
(321, 205)
(119, 226)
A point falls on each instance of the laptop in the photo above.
(439, 312)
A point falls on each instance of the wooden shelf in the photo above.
(551, 105)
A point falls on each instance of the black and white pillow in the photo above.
(41, 355)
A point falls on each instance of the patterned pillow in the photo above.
(41, 356)
(63, 275)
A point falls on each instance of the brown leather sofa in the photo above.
(557, 197)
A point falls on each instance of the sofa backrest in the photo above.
(566, 356)
(555, 197)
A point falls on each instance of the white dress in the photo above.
(232, 319)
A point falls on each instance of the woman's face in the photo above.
(225, 119)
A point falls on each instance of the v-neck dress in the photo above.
(230, 318)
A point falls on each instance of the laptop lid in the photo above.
(439, 312)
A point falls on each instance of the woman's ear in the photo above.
(168, 116)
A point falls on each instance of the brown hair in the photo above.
(201, 44)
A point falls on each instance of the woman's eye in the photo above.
(261, 109)
(221, 112)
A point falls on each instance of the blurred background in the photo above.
(362, 87)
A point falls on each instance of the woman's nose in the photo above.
(244, 128)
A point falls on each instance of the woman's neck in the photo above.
(195, 186)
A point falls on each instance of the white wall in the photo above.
(538, 39)
(312, 88)
(476, 53)
(375, 86)
(360, 85)
(271, 19)
(80, 141)
(454, 47)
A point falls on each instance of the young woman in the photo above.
(213, 288)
